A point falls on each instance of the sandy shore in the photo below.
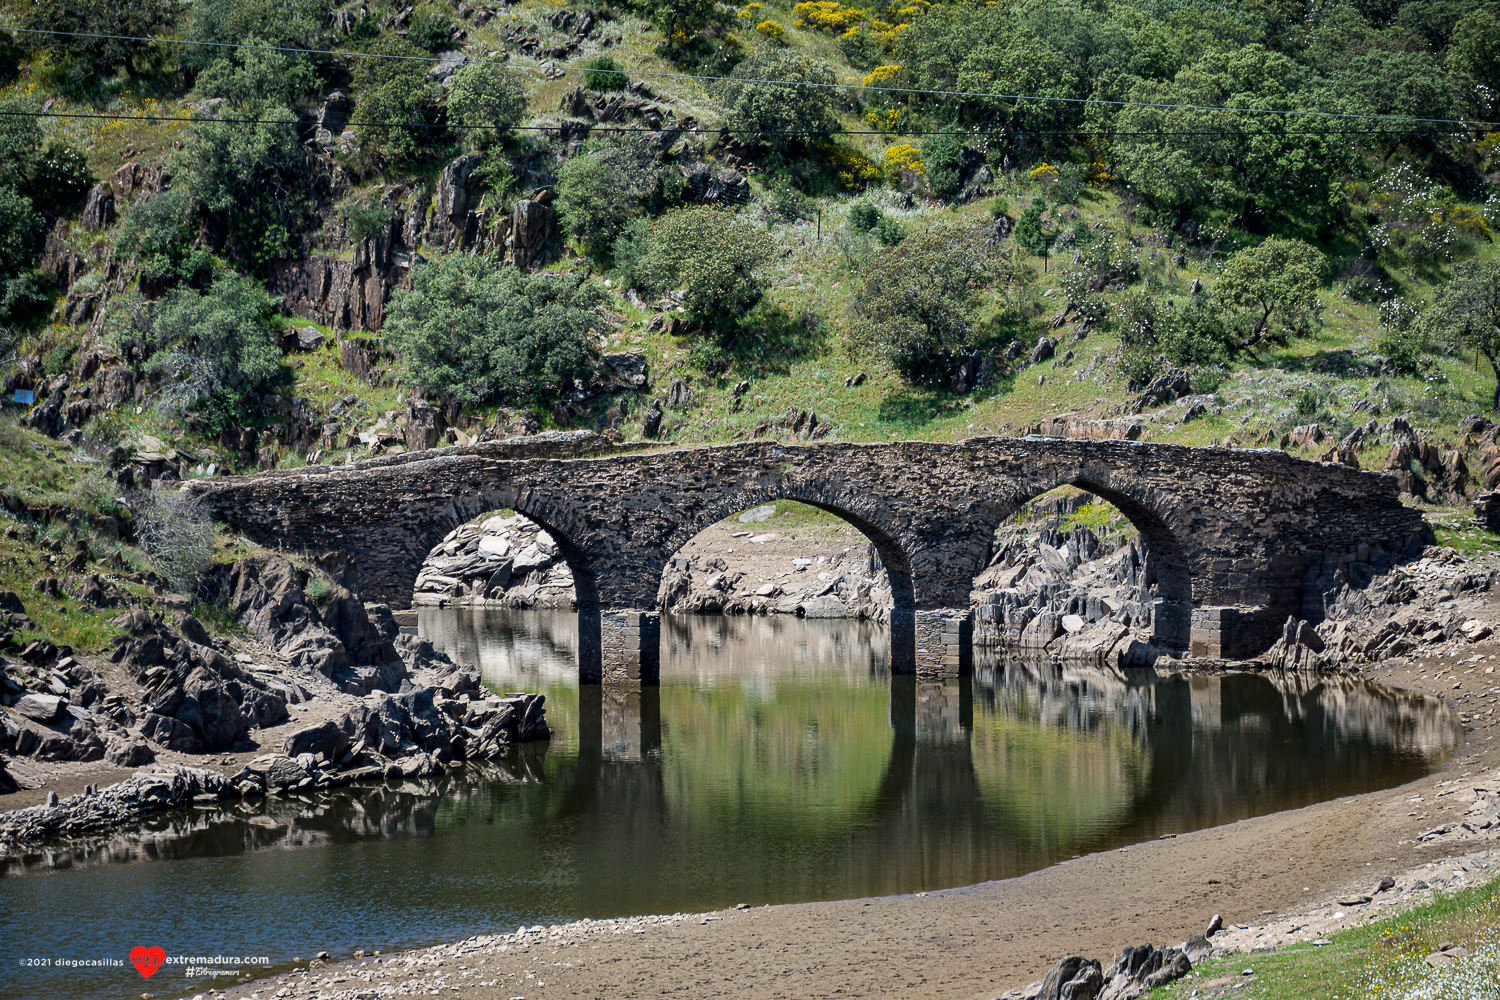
(1268, 874)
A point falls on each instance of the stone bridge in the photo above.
(1236, 536)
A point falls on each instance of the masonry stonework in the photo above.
(1233, 534)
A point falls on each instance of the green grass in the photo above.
(1379, 960)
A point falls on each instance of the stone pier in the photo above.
(944, 642)
(629, 647)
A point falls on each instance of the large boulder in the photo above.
(41, 707)
(325, 739)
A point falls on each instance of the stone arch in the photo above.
(1143, 506)
(555, 519)
(863, 513)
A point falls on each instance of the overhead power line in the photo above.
(1465, 123)
(710, 131)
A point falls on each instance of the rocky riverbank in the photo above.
(327, 685)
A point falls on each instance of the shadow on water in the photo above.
(778, 761)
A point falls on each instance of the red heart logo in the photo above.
(147, 960)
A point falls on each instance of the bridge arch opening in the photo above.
(503, 559)
(1084, 571)
(786, 557)
(779, 557)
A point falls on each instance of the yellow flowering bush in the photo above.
(889, 120)
(902, 156)
(852, 168)
(828, 15)
(882, 76)
(749, 12)
(1043, 174)
(771, 30)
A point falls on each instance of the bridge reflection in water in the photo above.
(778, 760)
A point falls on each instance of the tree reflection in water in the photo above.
(777, 761)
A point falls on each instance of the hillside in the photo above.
(256, 235)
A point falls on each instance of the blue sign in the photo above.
(25, 397)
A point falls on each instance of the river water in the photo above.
(777, 762)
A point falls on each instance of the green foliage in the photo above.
(787, 204)
(473, 330)
(217, 23)
(678, 19)
(253, 78)
(25, 300)
(1181, 158)
(628, 249)
(714, 256)
(611, 182)
(1276, 284)
(1474, 61)
(59, 178)
(1030, 232)
(887, 231)
(251, 176)
(1191, 335)
(1402, 341)
(917, 300)
(789, 116)
(396, 105)
(863, 216)
(1466, 312)
(488, 101)
(603, 73)
(20, 138)
(210, 348)
(942, 158)
(160, 233)
(366, 220)
(103, 34)
(430, 27)
(20, 232)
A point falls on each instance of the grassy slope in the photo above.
(1379, 961)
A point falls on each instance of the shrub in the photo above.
(603, 73)
(251, 175)
(59, 178)
(366, 220)
(888, 231)
(713, 255)
(395, 93)
(943, 156)
(253, 78)
(20, 227)
(608, 184)
(159, 232)
(487, 101)
(863, 216)
(901, 158)
(211, 348)
(787, 204)
(430, 27)
(473, 331)
(917, 301)
(771, 30)
(175, 533)
(788, 115)
(1029, 231)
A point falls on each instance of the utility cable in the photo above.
(723, 129)
(1467, 123)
